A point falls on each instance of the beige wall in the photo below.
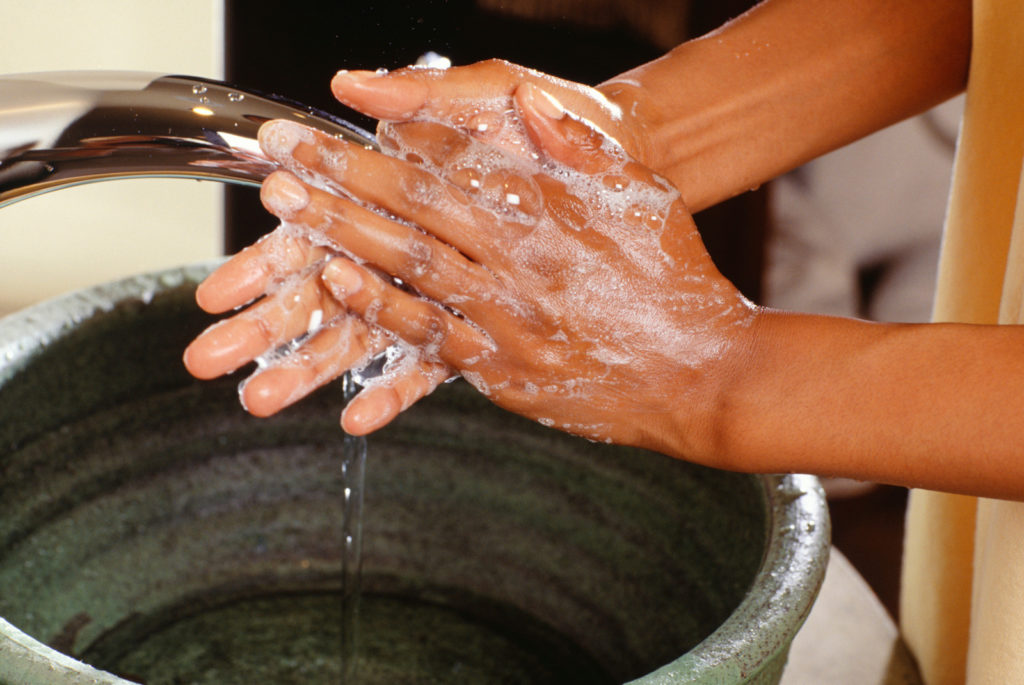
(79, 236)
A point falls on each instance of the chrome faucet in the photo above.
(60, 129)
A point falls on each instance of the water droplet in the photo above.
(235, 97)
(198, 89)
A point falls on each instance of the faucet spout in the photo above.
(60, 129)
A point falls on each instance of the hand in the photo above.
(575, 288)
(284, 266)
(300, 335)
(474, 97)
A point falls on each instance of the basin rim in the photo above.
(754, 636)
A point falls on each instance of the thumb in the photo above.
(563, 136)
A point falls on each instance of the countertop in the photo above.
(849, 638)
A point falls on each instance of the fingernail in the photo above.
(357, 76)
(342, 279)
(279, 138)
(384, 97)
(284, 195)
(545, 103)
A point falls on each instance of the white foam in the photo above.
(280, 138)
(628, 209)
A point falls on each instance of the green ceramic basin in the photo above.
(151, 529)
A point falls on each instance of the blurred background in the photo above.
(854, 233)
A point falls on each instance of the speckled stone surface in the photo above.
(150, 527)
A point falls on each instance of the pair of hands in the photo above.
(533, 254)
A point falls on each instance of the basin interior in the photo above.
(151, 528)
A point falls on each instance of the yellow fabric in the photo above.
(962, 601)
(996, 652)
(935, 595)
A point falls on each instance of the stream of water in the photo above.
(353, 468)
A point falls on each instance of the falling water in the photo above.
(353, 466)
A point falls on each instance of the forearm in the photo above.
(788, 81)
(933, 406)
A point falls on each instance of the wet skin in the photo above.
(511, 237)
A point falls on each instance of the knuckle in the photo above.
(495, 64)
(417, 258)
(362, 337)
(432, 330)
(417, 193)
(293, 251)
(267, 333)
(325, 302)
(569, 211)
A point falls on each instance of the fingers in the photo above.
(637, 195)
(401, 188)
(385, 398)
(294, 311)
(436, 334)
(435, 93)
(344, 343)
(394, 98)
(433, 268)
(438, 145)
(254, 271)
(487, 174)
(465, 96)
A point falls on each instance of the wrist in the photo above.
(687, 127)
(705, 404)
(807, 395)
(739, 412)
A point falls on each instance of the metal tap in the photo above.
(60, 129)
